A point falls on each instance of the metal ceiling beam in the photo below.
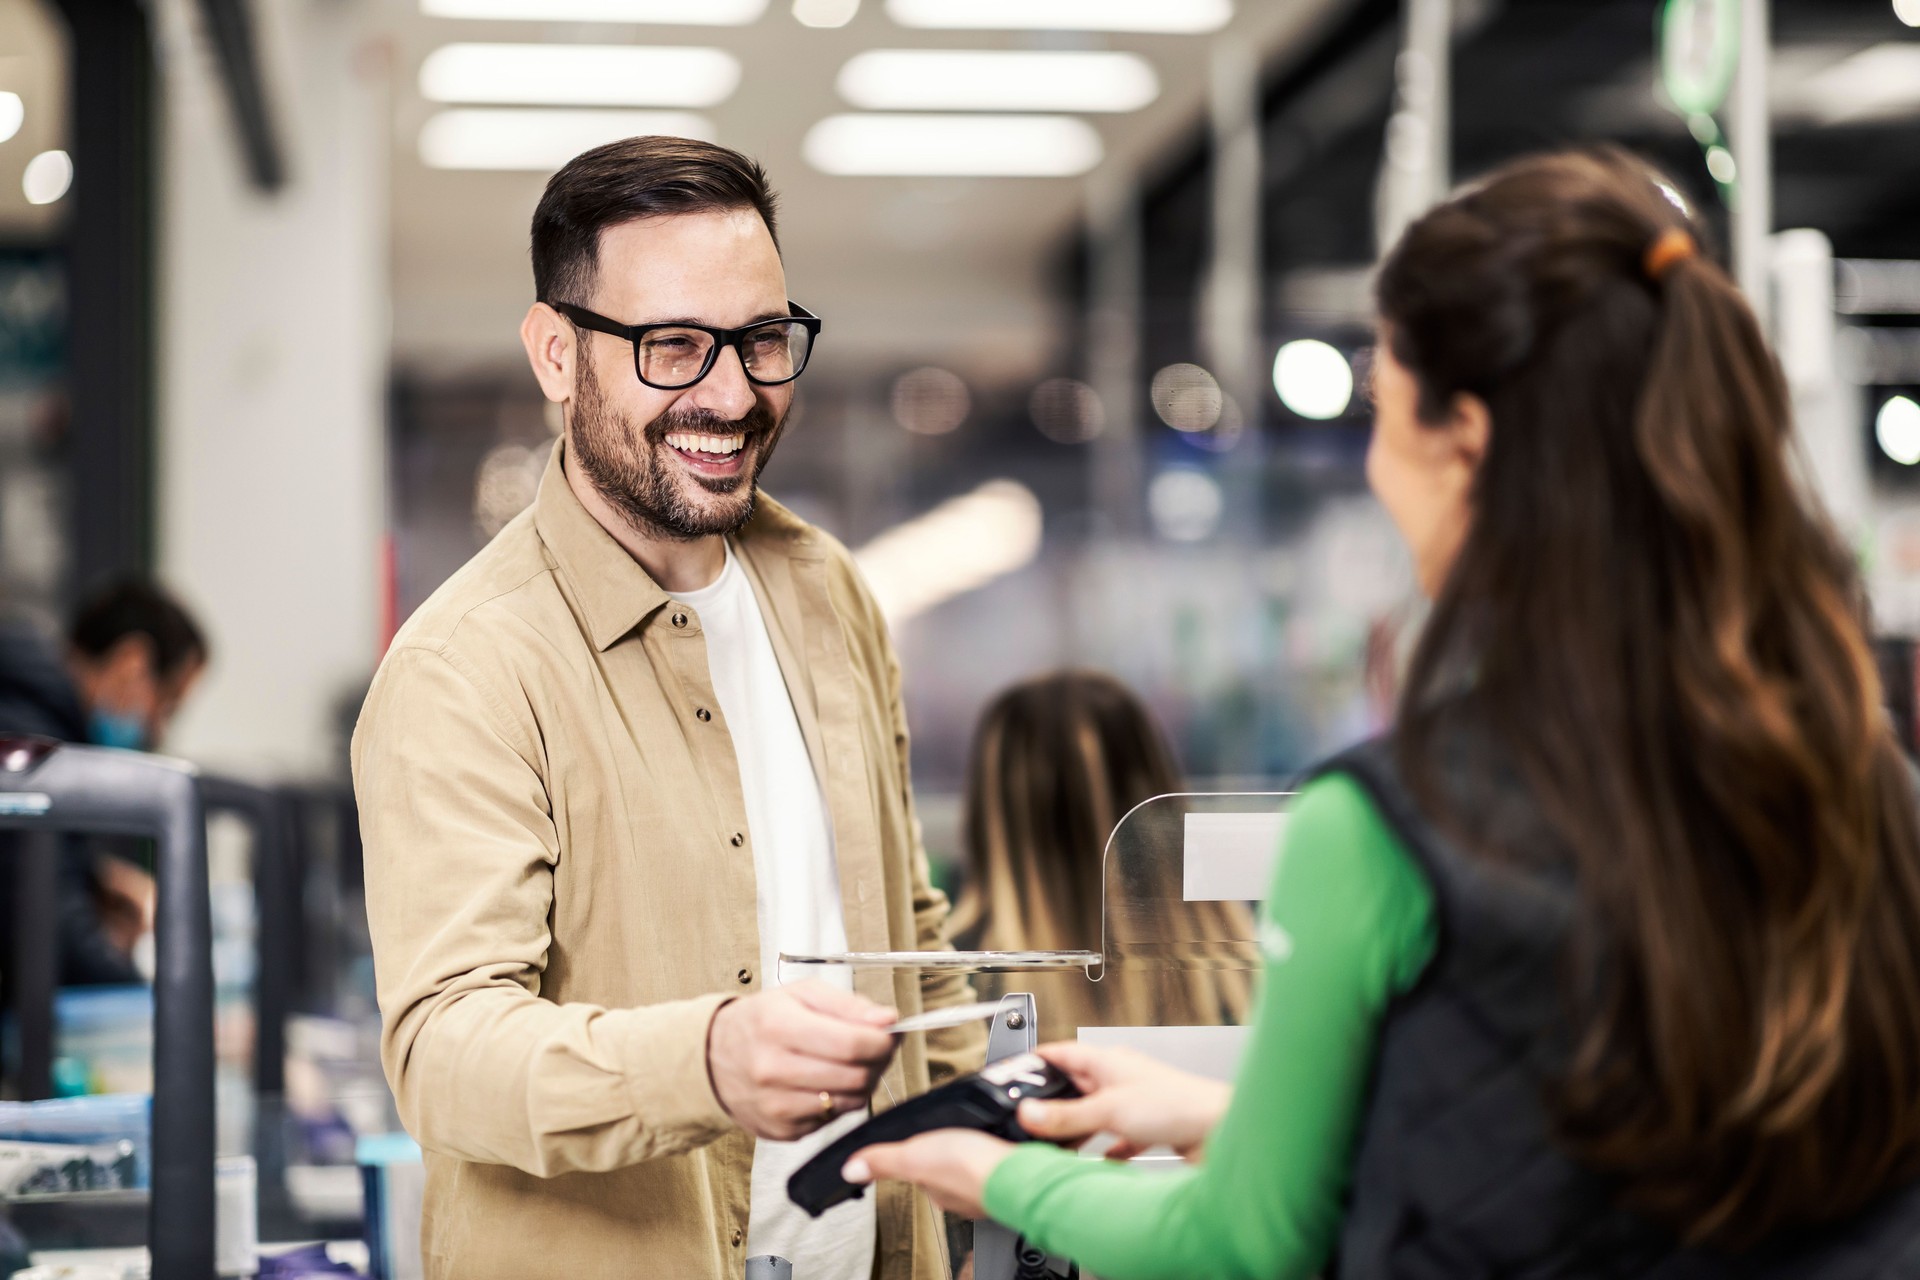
(230, 24)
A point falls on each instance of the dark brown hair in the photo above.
(1668, 641)
(136, 606)
(634, 178)
(1057, 761)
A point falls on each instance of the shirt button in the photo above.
(745, 976)
(738, 839)
(703, 715)
(737, 1237)
(679, 619)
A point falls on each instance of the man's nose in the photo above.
(725, 390)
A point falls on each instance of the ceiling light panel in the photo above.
(537, 139)
(993, 80)
(695, 13)
(953, 146)
(1166, 17)
(1880, 83)
(598, 75)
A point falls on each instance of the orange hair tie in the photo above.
(1671, 246)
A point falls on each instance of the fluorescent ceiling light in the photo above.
(694, 13)
(825, 14)
(959, 546)
(953, 146)
(597, 75)
(1880, 83)
(987, 80)
(543, 140)
(1159, 16)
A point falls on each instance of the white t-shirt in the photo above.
(798, 887)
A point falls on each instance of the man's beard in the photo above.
(626, 465)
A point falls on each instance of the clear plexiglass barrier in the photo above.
(1169, 947)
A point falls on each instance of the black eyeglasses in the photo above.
(675, 355)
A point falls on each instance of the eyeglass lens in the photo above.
(774, 352)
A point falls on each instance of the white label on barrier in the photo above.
(1213, 1052)
(29, 803)
(1229, 856)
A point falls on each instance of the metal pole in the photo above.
(1750, 138)
(1113, 352)
(1419, 151)
(1231, 330)
(1230, 319)
(35, 952)
(110, 288)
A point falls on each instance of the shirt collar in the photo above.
(615, 594)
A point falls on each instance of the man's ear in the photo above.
(1469, 429)
(551, 350)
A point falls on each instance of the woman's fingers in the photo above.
(1083, 1063)
(1067, 1120)
(951, 1165)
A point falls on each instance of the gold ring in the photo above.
(826, 1103)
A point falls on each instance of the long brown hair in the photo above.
(1057, 761)
(1655, 624)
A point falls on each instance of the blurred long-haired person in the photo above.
(1057, 762)
(1607, 961)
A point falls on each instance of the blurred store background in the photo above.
(1091, 389)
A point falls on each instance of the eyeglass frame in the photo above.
(721, 338)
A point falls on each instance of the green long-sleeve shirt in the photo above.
(1348, 925)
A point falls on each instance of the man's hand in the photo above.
(125, 897)
(1142, 1102)
(772, 1055)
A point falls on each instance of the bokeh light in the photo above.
(505, 485)
(1186, 505)
(1897, 428)
(1066, 411)
(930, 401)
(1313, 379)
(47, 177)
(1186, 397)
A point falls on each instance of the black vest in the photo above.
(1456, 1175)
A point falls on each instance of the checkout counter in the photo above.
(1170, 974)
(48, 791)
(1176, 945)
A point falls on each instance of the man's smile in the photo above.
(709, 455)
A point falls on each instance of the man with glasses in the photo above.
(646, 741)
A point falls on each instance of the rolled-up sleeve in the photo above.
(460, 853)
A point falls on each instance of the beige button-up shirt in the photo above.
(561, 894)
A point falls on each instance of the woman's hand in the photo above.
(1141, 1102)
(951, 1165)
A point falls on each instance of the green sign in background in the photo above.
(1699, 52)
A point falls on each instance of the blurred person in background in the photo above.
(646, 741)
(133, 654)
(1056, 762)
(1607, 962)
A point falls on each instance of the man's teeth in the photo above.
(718, 446)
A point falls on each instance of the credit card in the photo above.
(958, 1015)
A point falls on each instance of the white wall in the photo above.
(273, 348)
